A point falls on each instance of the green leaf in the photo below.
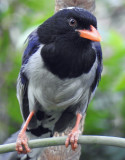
(120, 83)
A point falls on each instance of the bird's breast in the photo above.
(52, 92)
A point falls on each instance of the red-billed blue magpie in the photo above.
(61, 68)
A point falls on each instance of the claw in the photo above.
(22, 140)
(22, 144)
(67, 141)
(73, 139)
(74, 135)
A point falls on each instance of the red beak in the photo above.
(91, 34)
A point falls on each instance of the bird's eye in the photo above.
(72, 22)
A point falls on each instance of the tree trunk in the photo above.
(87, 4)
(60, 152)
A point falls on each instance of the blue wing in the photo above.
(32, 47)
(97, 48)
(22, 82)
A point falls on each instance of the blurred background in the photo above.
(106, 113)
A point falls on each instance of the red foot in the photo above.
(73, 139)
(22, 144)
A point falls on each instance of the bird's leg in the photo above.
(74, 135)
(22, 140)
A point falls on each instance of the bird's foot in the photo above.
(73, 138)
(22, 144)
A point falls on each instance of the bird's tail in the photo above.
(10, 155)
(14, 155)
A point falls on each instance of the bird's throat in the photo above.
(68, 61)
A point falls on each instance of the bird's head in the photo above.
(71, 24)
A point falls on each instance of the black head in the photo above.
(66, 23)
(67, 36)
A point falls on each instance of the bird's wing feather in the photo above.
(22, 81)
(32, 47)
(22, 96)
(97, 47)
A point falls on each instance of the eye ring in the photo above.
(72, 22)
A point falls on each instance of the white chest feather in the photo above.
(52, 92)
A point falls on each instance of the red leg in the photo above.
(22, 140)
(74, 135)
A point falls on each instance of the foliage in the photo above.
(106, 113)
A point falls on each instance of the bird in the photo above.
(61, 69)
